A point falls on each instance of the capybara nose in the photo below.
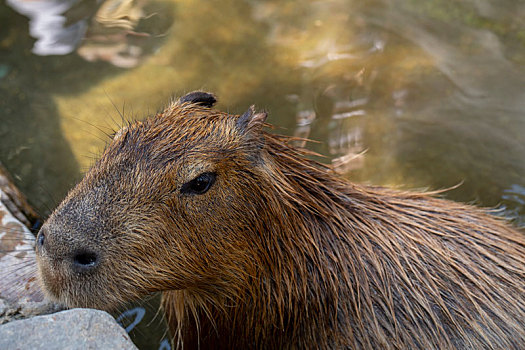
(84, 261)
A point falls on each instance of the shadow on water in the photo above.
(33, 145)
(30, 133)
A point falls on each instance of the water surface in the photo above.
(412, 94)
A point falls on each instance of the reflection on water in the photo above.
(135, 314)
(47, 25)
(97, 30)
(405, 93)
(513, 202)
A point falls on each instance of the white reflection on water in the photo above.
(136, 314)
(97, 30)
(48, 25)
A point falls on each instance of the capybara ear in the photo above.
(251, 120)
(201, 98)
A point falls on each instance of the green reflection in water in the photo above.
(403, 93)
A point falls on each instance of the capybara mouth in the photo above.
(73, 289)
(63, 286)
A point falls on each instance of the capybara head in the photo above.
(166, 207)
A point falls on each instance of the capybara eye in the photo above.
(201, 184)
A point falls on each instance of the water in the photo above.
(412, 94)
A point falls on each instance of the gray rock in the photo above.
(71, 329)
(20, 293)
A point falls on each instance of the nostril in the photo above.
(40, 239)
(85, 261)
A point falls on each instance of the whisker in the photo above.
(11, 229)
(20, 265)
(30, 287)
(99, 128)
(13, 252)
(50, 195)
(24, 263)
(123, 110)
(122, 118)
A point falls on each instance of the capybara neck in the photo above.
(256, 245)
(337, 265)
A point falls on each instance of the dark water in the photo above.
(413, 94)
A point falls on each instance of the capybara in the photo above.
(255, 245)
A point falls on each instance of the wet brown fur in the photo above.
(280, 252)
